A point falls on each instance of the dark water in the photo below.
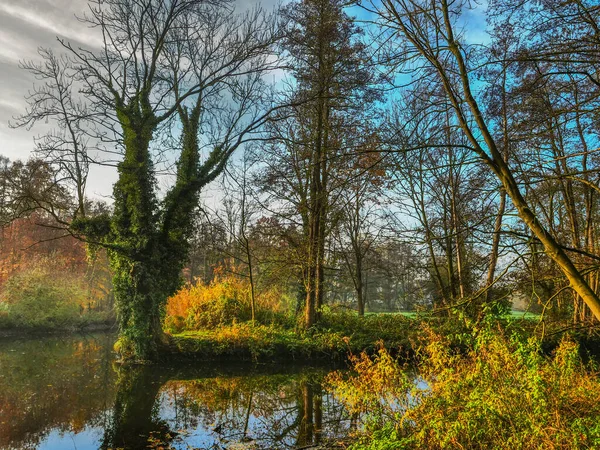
(67, 393)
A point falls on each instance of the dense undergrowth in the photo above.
(38, 299)
(501, 392)
(214, 321)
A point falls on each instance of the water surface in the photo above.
(67, 393)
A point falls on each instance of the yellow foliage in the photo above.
(225, 300)
(502, 393)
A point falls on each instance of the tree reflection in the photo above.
(58, 391)
(311, 414)
(135, 422)
(272, 411)
(62, 384)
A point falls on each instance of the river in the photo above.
(66, 392)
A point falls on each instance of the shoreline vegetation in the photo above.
(401, 336)
(46, 297)
(265, 344)
(413, 380)
(214, 322)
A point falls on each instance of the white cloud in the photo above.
(52, 18)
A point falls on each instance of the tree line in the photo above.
(398, 156)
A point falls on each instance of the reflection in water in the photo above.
(134, 417)
(59, 393)
(53, 386)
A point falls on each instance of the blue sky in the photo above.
(26, 25)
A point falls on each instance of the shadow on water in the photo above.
(60, 393)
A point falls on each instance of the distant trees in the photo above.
(48, 279)
(387, 197)
(29, 186)
(360, 220)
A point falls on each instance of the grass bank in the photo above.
(337, 336)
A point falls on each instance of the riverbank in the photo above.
(337, 337)
(108, 325)
(341, 335)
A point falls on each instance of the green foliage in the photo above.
(4, 319)
(38, 299)
(365, 332)
(47, 297)
(502, 393)
(95, 228)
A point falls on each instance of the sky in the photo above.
(25, 25)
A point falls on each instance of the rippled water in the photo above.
(67, 393)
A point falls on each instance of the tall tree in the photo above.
(181, 74)
(330, 67)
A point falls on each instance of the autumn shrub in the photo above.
(225, 300)
(501, 394)
(38, 298)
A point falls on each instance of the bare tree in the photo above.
(428, 43)
(183, 75)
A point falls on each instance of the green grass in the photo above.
(410, 314)
(523, 315)
(336, 336)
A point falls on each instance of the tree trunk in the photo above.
(504, 174)
(359, 287)
(495, 247)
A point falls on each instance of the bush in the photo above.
(224, 301)
(4, 321)
(37, 298)
(501, 394)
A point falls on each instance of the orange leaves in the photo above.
(226, 298)
(223, 301)
(33, 237)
